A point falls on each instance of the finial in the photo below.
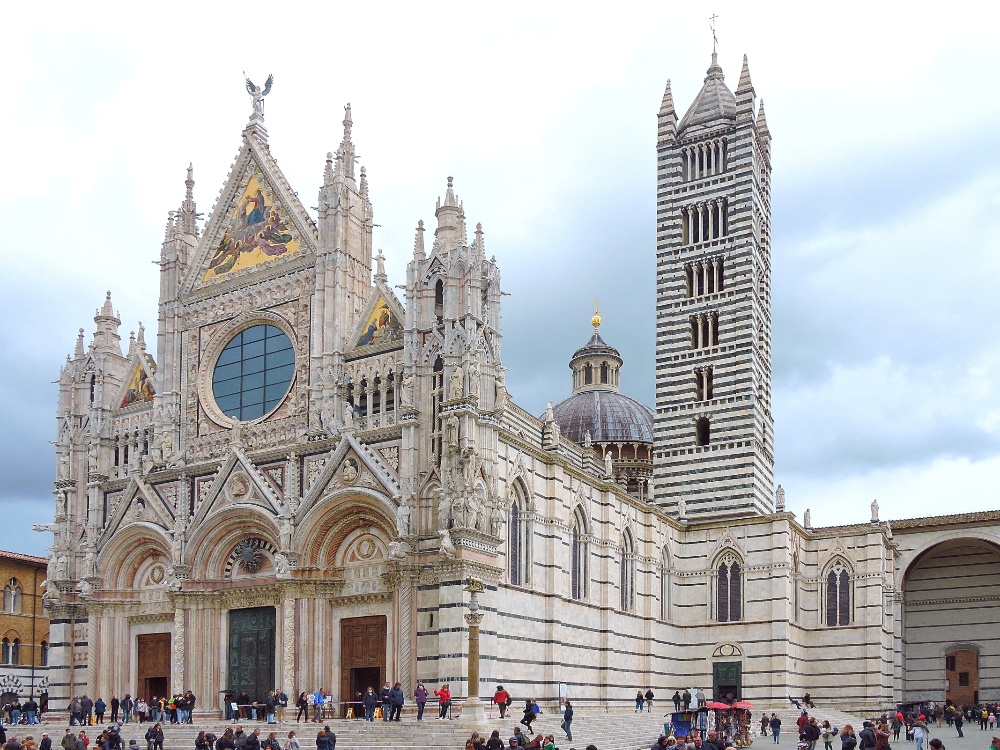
(363, 187)
(714, 39)
(762, 120)
(596, 320)
(479, 238)
(348, 122)
(78, 352)
(418, 242)
(189, 182)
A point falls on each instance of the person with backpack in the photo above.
(271, 743)
(847, 739)
(292, 743)
(649, 700)
(919, 734)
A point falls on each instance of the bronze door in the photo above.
(153, 667)
(251, 651)
(362, 656)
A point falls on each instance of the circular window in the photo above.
(253, 372)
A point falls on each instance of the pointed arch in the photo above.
(665, 583)
(728, 573)
(626, 573)
(837, 590)
(579, 555)
(519, 533)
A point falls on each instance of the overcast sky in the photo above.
(886, 198)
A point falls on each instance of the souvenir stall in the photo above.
(732, 722)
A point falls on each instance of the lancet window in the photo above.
(729, 589)
(838, 594)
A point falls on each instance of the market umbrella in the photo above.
(743, 704)
(719, 706)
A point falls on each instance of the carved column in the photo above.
(288, 642)
(177, 664)
(473, 709)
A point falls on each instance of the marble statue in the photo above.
(403, 519)
(447, 546)
(457, 383)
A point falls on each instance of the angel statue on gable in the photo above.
(258, 94)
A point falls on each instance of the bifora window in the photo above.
(253, 373)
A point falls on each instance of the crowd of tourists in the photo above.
(177, 709)
(14, 711)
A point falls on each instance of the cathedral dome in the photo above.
(607, 415)
(597, 405)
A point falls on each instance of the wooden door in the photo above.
(362, 654)
(153, 664)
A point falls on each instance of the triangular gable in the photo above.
(138, 390)
(351, 464)
(155, 510)
(239, 482)
(381, 323)
(257, 220)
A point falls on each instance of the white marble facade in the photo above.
(390, 465)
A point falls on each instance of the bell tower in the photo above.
(714, 433)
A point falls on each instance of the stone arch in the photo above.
(945, 587)
(209, 547)
(912, 557)
(325, 528)
(128, 551)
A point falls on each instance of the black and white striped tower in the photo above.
(714, 435)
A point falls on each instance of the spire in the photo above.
(714, 104)
(328, 169)
(450, 216)
(745, 83)
(78, 351)
(106, 338)
(363, 188)
(189, 212)
(480, 246)
(667, 116)
(745, 94)
(762, 121)
(107, 309)
(345, 154)
(418, 242)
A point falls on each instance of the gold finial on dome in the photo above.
(596, 320)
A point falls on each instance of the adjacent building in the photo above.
(24, 628)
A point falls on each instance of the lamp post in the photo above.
(473, 709)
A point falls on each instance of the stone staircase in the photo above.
(609, 728)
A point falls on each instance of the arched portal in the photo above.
(950, 611)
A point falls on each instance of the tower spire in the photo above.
(667, 116)
(189, 210)
(345, 154)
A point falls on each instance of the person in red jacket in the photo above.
(502, 698)
(444, 700)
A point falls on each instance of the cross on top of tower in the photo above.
(714, 39)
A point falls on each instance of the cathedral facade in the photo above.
(297, 489)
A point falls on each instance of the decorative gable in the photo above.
(258, 221)
(380, 326)
(138, 388)
(256, 231)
